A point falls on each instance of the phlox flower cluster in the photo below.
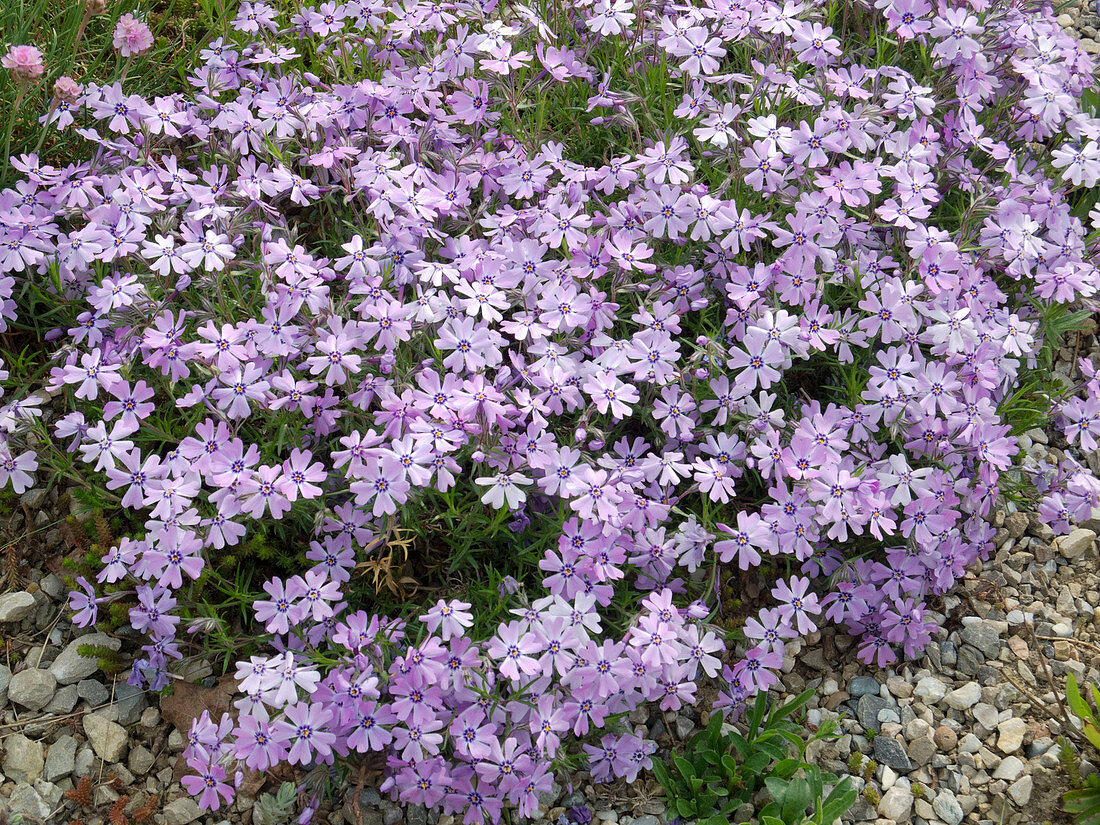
(778, 327)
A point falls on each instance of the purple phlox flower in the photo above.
(280, 611)
(208, 786)
(306, 727)
(84, 603)
(798, 604)
(449, 618)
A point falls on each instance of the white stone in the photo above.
(1062, 630)
(140, 760)
(930, 690)
(29, 803)
(1020, 790)
(14, 607)
(896, 804)
(32, 688)
(917, 729)
(106, 738)
(888, 778)
(969, 744)
(964, 697)
(181, 812)
(1075, 543)
(1010, 735)
(986, 715)
(1010, 769)
(60, 758)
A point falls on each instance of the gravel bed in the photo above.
(966, 733)
(1081, 18)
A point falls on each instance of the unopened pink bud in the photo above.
(67, 89)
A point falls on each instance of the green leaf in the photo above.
(717, 819)
(776, 787)
(684, 767)
(797, 799)
(684, 808)
(757, 714)
(742, 744)
(1093, 735)
(1081, 800)
(770, 749)
(729, 765)
(838, 804)
(791, 706)
(1084, 804)
(661, 773)
(1077, 704)
(840, 789)
(786, 768)
(813, 776)
(757, 763)
(770, 809)
(714, 725)
(792, 737)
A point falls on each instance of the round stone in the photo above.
(945, 738)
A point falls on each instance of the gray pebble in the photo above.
(32, 688)
(93, 692)
(868, 709)
(863, 686)
(23, 760)
(888, 751)
(63, 701)
(947, 808)
(60, 759)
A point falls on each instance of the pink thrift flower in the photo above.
(24, 62)
(132, 36)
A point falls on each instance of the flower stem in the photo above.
(11, 122)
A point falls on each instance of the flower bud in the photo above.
(95, 7)
(66, 89)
